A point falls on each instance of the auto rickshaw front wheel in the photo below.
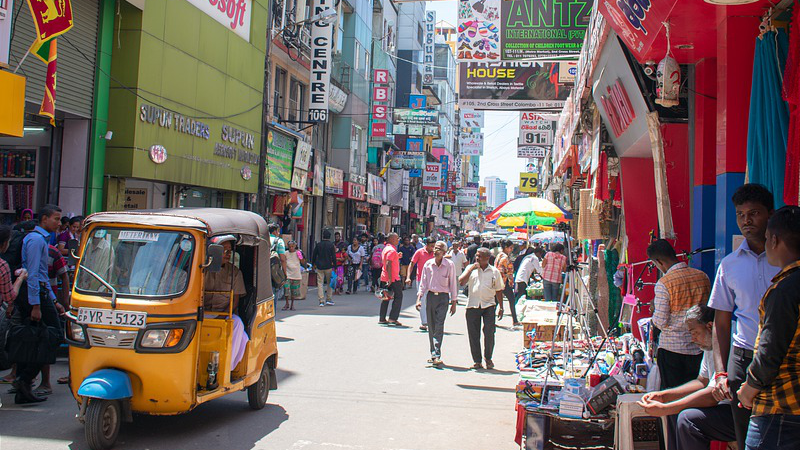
(258, 392)
(103, 419)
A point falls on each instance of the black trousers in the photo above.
(697, 427)
(376, 277)
(512, 301)
(737, 374)
(677, 369)
(397, 302)
(474, 318)
(22, 311)
(522, 290)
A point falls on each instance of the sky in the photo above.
(501, 127)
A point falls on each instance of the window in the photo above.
(280, 89)
(420, 35)
(297, 95)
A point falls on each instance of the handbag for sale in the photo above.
(32, 343)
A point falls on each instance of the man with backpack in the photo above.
(323, 258)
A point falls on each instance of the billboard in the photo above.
(407, 115)
(529, 182)
(470, 144)
(409, 160)
(467, 197)
(531, 152)
(471, 118)
(479, 30)
(511, 85)
(543, 28)
(535, 130)
(432, 177)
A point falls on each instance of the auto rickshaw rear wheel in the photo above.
(258, 392)
(103, 419)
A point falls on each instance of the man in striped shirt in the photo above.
(439, 285)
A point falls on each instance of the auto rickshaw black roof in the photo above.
(212, 221)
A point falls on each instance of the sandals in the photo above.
(42, 391)
(63, 380)
(285, 308)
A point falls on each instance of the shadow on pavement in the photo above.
(472, 387)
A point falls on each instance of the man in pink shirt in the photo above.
(390, 279)
(439, 286)
(419, 259)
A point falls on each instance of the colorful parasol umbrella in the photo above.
(550, 237)
(527, 211)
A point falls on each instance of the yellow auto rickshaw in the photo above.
(170, 309)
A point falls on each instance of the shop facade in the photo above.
(187, 122)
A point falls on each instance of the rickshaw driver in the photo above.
(217, 300)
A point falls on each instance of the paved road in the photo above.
(344, 383)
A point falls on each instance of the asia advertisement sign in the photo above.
(529, 182)
(432, 178)
(511, 85)
(543, 28)
(470, 144)
(531, 152)
(320, 81)
(334, 181)
(233, 14)
(535, 130)
(471, 118)
(479, 30)
(280, 159)
(428, 47)
(637, 23)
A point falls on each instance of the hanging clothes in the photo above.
(614, 295)
(791, 93)
(768, 125)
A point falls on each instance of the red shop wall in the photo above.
(639, 197)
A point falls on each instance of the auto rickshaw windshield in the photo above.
(137, 263)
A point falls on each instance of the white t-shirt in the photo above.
(529, 264)
(707, 367)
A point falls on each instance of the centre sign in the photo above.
(321, 36)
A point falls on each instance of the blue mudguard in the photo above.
(108, 384)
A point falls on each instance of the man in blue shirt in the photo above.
(38, 303)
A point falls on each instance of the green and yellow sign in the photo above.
(280, 159)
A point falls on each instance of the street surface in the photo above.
(344, 382)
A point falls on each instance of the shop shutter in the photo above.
(75, 85)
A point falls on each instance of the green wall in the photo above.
(180, 59)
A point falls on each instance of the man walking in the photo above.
(681, 288)
(741, 281)
(323, 258)
(485, 287)
(457, 256)
(406, 251)
(419, 259)
(39, 303)
(390, 277)
(506, 268)
(277, 247)
(439, 286)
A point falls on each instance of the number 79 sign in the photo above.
(529, 182)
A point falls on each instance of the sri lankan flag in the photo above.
(48, 48)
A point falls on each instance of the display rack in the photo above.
(18, 185)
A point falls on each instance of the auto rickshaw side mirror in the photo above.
(214, 263)
(73, 246)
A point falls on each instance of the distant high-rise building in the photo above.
(496, 191)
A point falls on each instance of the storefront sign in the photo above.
(337, 99)
(415, 173)
(319, 176)
(479, 27)
(246, 172)
(375, 189)
(135, 198)
(415, 129)
(6, 12)
(531, 152)
(428, 47)
(380, 94)
(567, 71)
(232, 14)
(409, 160)
(511, 85)
(12, 114)
(378, 129)
(471, 144)
(354, 191)
(618, 107)
(157, 153)
(467, 197)
(280, 156)
(432, 178)
(414, 145)
(529, 182)
(543, 28)
(416, 101)
(226, 151)
(380, 112)
(334, 181)
(168, 119)
(471, 118)
(637, 22)
(535, 130)
(299, 179)
(321, 35)
(420, 116)
(302, 157)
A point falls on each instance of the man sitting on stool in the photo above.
(700, 418)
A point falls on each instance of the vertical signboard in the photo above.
(321, 37)
(380, 95)
(432, 178)
(429, 47)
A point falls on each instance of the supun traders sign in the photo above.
(321, 36)
(232, 14)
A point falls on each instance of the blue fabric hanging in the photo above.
(768, 125)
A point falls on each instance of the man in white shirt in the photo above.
(742, 280)
(457, 256)
(485, 295)
(529, 265)
(700, 418)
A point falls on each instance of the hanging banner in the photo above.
(280, 156)
(394, 187)
(319, 177)
(334, 181)
(302, 157)
(529, 182)
(432, 178)
(636, 24)
(428, 47)
(511, 85)
(321, 36)
(471, 118)
(471, 144)
(479, 25)
(299, 179)
(543, 28)
(375, 188)
(535, 130)
(531, 152)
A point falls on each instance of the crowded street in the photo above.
(344, 382)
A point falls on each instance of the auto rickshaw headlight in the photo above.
(162, 338)
(76, 332)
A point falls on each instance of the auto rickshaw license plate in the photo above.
(92, 316)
